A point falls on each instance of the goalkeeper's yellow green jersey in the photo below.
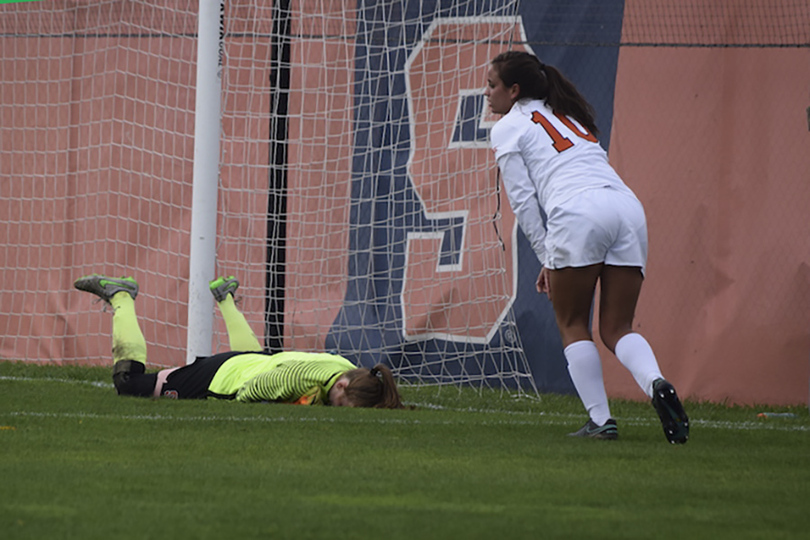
(281, 377)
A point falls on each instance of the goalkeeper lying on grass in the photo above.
(244, 374)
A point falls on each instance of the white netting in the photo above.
(358, 203)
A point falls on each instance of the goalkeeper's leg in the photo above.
(128, 344)
(129, 350)
(240, 334)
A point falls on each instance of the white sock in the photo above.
(585, 368)
(637, 356)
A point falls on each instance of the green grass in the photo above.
(78, 461)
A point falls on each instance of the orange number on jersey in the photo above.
(561, 142)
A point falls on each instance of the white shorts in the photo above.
(600, 225)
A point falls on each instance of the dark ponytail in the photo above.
(541, 81)
(373, 387)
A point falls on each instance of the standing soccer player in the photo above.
(595, 231)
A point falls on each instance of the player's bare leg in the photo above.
(620, 288)
(571, 291)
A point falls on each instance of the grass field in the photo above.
(77, 461)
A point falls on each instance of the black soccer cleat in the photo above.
(670, 411)
(607, 432)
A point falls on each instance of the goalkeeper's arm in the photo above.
(274, 385)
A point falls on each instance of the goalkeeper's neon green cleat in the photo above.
(222, 286)
(107, 287)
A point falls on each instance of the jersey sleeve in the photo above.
(522, 196)
(504, 139)
(272, 385)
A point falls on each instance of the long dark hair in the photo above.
(541, 81)
(373, 387)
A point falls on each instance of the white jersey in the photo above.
(546, 159)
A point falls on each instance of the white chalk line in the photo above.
(536, 419)
(532, 418)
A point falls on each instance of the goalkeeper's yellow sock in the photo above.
(240, 334)
(127, 339)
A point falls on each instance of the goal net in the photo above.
(357, 200)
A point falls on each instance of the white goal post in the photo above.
(207, 129)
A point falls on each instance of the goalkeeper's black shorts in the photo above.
(192, 381)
